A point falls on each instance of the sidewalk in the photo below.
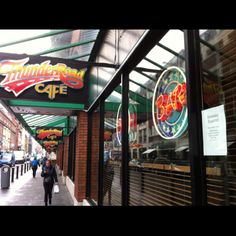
(28, 191)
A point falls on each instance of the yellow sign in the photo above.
(51, 90)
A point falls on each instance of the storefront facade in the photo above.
(148, 119)
(151, 149)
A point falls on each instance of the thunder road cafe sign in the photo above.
(50, 146)
(49, 137)
(169, 104)
(42, 78)
(49, 134)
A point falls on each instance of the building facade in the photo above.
(158, 148)
(10, 131)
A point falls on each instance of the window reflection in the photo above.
(159, 168)
(218, 86)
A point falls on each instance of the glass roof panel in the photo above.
(40, 45)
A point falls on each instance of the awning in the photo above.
(149, 151)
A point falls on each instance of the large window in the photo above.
(159, 169)
(112, 149)
(219, 88)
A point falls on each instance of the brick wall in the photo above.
(95, 157)
(59, 155)
(65, 155)
(1, 134)
(81, 156)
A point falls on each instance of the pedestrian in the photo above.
(35, 165)
(108, 178)
(13, 159)
(50, 176)
(43, 162)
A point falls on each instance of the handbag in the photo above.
(48, 179)
(56, 188)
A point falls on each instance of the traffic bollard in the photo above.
(21, 170)
(17, 172)
(12, 174)
(24, 168)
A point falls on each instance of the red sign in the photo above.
(175, 101)
(49, 134)
(50, 144)
(19, 77)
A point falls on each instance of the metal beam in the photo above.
(136, 97)
(213, 48)
(171, 51)
(139, 51)
(154, 63)
(101, 154)
(33, 38)
(78, 56)
(70, 45)
(146, 70)
(194, 102)
(96, 48)
(148, 76)
(141, 86)
(183, 58)
(45, 104)
(125, 141)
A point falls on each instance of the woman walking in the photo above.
(50, 176)
(35, 165)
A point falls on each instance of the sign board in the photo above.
(42, 78)
(49, 134)
(214, 131)
(169, 104)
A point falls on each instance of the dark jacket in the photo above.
(49, 174)
(43, 163)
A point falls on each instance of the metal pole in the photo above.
(101, 155)
(125, 140)
(194, 102)
(21, 170)
(17, 172)
(24, 168)
(12, 174)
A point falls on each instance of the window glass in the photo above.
(159, 169)
(219, 88)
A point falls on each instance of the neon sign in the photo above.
(19, 76)
(169, 104)
(132, 114)
(49, 134)
(50, 144)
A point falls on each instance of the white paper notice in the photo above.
(214, 131)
